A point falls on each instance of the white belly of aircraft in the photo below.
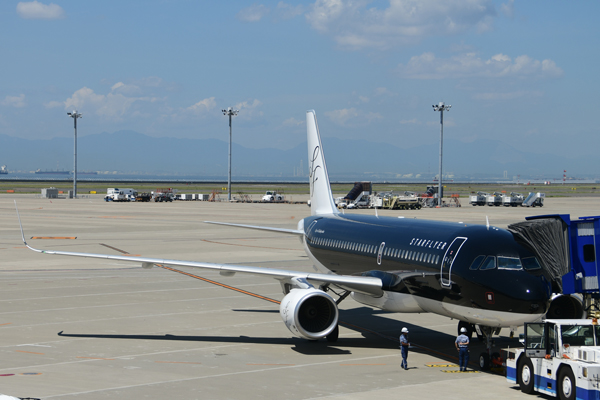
(407, 303)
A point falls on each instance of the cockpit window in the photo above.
(476, 262)
(489, 263)
(509, 263)
(531, 263)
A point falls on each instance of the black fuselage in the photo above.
(436, 262)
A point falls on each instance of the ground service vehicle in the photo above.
(272, 195)
(561, 358)
(115, 194)
(478, 199)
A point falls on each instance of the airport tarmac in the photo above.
(92, 329)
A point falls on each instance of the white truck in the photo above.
(116, 194)
(560, 357)
(272, 195)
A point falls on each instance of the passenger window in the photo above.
(489, 263)
(531, 263)
(476, 262)
(509, 263)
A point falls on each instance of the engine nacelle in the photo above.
(566, 307)
(309, 313)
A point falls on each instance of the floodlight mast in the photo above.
(74, 114)
(230, 112)
(441, 107)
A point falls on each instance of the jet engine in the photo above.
(309, 313)
(566, 307)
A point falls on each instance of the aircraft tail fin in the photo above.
(321, 199)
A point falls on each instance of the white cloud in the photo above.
(508, 8)
(351, 116)
(113, 105)
(381, 91)
(37, 10)
(14, 101)
(285, 11)
(125, 89)
(203, 107)
(413, 121)
(249, 108)
(358, 24)
(427, 66)
(54, 104)
(254, 13)
(293, 122)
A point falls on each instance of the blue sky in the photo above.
(524, 72)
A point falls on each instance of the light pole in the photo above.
(231, 112)
(74, 114)
(441, 107)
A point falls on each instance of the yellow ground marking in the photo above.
(96, 358)
(441, 365)
(28, 352)
(459, 372)
(8, 323)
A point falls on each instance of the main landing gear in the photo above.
(335, 333)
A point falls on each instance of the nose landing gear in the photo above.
(488, 359)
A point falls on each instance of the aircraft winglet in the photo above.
(23, 234)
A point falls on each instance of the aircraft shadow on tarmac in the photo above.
(382, 333)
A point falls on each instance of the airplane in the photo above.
(477, 274)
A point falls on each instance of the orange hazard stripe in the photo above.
(28, 352)
(54, 237)
(222, 285)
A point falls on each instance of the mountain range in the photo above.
(132, 152)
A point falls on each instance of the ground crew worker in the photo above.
(462, 345)
(404, 347)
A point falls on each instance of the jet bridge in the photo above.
(568, 251)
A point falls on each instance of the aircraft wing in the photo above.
(262, 228)
(367, 285)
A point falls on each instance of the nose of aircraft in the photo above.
(534, 293)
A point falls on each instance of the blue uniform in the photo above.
(462, 343)
(404, 350)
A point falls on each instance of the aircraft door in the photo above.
(380, 253)
(448, 260)
(311, 229)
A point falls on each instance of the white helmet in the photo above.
(463, 330)
(404, 330)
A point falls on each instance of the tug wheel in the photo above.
(525, 375)
(566, 384)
